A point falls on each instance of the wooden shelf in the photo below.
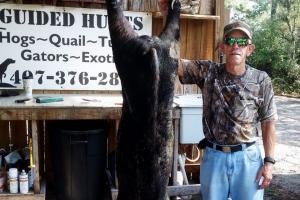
(189, 16)
(176, 190)
(29, 196)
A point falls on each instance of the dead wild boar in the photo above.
(147, 68)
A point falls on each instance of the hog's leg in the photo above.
(120, 29)
(171, 29)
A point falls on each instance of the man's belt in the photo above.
(228, 149)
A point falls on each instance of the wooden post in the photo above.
(219, 24)
(175, 151)
(35, 147)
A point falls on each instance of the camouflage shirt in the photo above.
(232, 105)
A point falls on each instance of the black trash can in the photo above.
(79, 160)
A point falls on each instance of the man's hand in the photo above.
(268, 136)
(265, 172)
(163, 7)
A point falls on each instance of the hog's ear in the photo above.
(119, 27)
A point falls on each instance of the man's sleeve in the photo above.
(194, 71)
(268, 110)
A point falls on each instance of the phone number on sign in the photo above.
(73, 77)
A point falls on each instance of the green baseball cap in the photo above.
(238, 25)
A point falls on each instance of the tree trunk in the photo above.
(273, 9)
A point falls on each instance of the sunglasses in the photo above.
(240, 41)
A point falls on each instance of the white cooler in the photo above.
(191, 130)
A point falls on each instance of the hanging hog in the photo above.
(147, 68)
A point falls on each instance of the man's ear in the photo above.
(222, 47)
(250, 49)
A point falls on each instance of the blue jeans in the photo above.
(224, 175)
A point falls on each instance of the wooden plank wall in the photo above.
(207, 7)
(196, 42)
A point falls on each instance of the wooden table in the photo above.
(74, 107)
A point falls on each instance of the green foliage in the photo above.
(276, 34)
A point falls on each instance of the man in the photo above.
(236, 97)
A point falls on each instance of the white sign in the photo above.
(62, 48)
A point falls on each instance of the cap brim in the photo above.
(240, 29)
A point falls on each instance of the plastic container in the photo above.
(13, 180)
(27, 84)
(191, 130)
(23, 179)
(79, 150)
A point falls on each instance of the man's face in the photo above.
(236, 54)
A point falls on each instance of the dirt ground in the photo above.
(286, 174)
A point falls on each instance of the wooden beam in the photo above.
(59, 113)
(180, 190)
(175, 151)
(183, 190)
(29, 196)
(35, 148)
(189, 16)
(65, 113)
(219, 25)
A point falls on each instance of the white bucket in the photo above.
(13, 180)
(13, 173)
(23, 179)
(13, 185)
